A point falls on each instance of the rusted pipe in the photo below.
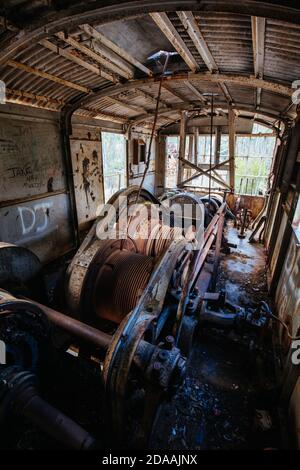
(75, 327)
(20, 396)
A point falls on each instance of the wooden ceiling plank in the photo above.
(190, 24)
(48, 76)
(114, 47)
(77, 60)
(166, 26)
(93, 55)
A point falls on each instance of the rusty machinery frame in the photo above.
(135, 341)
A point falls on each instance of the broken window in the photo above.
(172, 147)
(114, 162)
(253, 160)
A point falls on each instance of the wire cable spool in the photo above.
(119, 284)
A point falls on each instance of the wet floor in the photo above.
(229, 397)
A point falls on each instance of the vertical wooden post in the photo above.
(160, 164)
(191, 147)
(231, 131)
(190, 154)
(196, 139)
(182, 143)
(217, 145)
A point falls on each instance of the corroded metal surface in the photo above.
(287, 296)
(40, 225)
(17, 264)
(88, 178)
(34, 206)
(79, 268)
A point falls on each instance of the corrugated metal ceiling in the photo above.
(50, 78)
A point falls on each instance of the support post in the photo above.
(196, 140)
(231, 130)
(182, 143)
(217, 144)
(160, 164)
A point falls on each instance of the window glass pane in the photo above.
(224, 148)
(172, 149)
(259, 129)
(114, 163)
(253, 160)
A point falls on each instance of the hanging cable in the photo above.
(167, 54)
(147, 163)
(211, 140)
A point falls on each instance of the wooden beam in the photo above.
(195, 91)
(191, 148)
(221, 166)
(182, 144)
(137, 109)
(48, 76)
(258, 41)
(109, 55)
(161, 111)
(148, 96)
(196, 143)
(226, 93)
(218, 135)
(241, 80)
(201, 172)
(220, 178)
(93, 55)
(231, 132)
(165, 25)
(176, 119)
(173, 92)
(105, 116)
(77, 60)
(58, 104)
(34, 97)
(192, 28)
(189, 106)
(118, 50)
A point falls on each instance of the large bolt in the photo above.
(163, 355)
(169, 342)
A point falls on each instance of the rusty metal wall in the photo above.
(34, 204)
(271, 219)
(86, 151)
(30, 159)
(42, 225)
(287, 296)
(278, 244)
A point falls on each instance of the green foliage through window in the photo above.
(114, 162)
